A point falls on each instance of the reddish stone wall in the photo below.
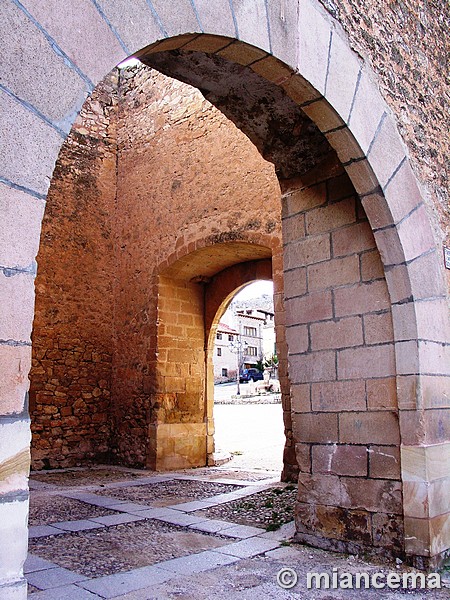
(186, 179)
(73, 326)
(342, 370)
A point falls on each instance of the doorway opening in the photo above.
(249, 433)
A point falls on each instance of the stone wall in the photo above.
(152, 173)
(73, 326)
(342, 370)
(187, 180)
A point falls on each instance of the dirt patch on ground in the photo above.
(166, 493)
(270, 508)
(238, 475)
(45, 510)
(88, 476)
(123, 547)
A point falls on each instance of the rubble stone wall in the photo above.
(73, 325)
(151, 172)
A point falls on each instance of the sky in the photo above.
(254, 290)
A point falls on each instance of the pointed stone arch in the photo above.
(301, 49)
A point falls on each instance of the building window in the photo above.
(252, 350)
(230, 337)
(224, 372)
(219, 351)
(219, 336)
(250, 331)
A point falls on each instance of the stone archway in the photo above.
(219, 292)
(192, 292)
(338, 92)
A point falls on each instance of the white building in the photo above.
(245, 337)
(225, 359)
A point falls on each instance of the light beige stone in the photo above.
(384, 163)
(314, 31)
(179, 21)
(13, 532)
(14, 384)
(40, 68)
(28, 146)
(341, 82)
(17, 301)
(133, 21)
(368, 108)
(179, 445)
(252, 24)
(21, 220)
(77, 27)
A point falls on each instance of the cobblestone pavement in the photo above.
(110, 537)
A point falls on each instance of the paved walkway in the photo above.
(253, 434)
(245, 566)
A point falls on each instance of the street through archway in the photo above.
(252, 432)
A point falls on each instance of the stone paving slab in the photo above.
(249, 547)
(36, 563)
(196, 563)
(250, 490)
(242, 531)
(192, 506)
(154, 513)
(33, 484)
(66, 592)
(130, 507)
(43, 531)
(180, 519)
(136, 482)
(112, 586)
(104, 501)
(80, 525)
(53, 578)
(219, 499)
(118, 519)
(212, 525)
(236, 495)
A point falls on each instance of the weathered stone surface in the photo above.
(16, 297)
(340, 460)
(14, 457)
(16, 363)
(71, 373)
(20, 213)
(41, 67)
(76, 29)
(134, 22)
(27, 136)
(79, 414)
(13, 529)
(408, 37)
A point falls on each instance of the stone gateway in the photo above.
(143, 245)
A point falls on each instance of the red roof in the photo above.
(224, 328)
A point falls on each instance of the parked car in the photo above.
(250, 375)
